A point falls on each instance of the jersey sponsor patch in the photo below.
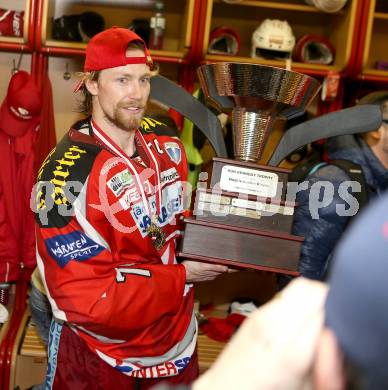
(168, 176)
(174, 152)
(119, 182)
(108, 166)
(130, 196)
(172, 204)
(72, 246)
(166, 369)
(59, 176)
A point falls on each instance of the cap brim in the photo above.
(11, 125)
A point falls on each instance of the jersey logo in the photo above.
(168, 176)
(120, 182)
(172, 204)
(148, 123)
(174, 152)
(72, 246)
(65, 165)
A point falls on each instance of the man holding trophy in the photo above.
(109, 204)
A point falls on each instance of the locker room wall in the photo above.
(64, 99)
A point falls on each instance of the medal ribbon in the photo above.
(145, 153)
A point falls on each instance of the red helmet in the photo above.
(314, 49)
(224, 40)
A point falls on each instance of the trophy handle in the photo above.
(172, 95)
(353, 120)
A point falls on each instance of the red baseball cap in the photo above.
(21, 107)
(11, 23)
(107, 50)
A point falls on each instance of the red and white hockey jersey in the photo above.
(128, 300)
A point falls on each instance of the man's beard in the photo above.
(122, 121)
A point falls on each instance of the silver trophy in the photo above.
(257, 95)
(244, 218)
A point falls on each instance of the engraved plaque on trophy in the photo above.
(243, 218)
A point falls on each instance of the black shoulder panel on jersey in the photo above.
(60, 180)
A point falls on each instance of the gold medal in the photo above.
(157, 235)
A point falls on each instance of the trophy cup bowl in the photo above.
(257, 95)
(244, 218)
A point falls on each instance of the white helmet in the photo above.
(273, 37)
(327, 5)
(3, 313)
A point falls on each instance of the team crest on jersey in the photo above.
(174, 152)
(72, 246)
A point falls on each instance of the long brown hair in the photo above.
(85, 105)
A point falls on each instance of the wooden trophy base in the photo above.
(241, 247)
(243, 220)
